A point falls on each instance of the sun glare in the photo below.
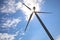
(31, 4)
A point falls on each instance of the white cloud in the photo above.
(22, 34)
(58, 37)
(12, 7)
(18, 5)
(31, 4)
(9, 7)
(11, 22)
(6, 36)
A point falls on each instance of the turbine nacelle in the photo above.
(34, 8)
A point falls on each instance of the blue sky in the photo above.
(35, 30)
(52, 22)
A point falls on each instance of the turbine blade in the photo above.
(28, 21)
(48, 33)
(42, 12)
(26, 6)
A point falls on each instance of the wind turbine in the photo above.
(43, 25)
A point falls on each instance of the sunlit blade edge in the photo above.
(28, 21)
